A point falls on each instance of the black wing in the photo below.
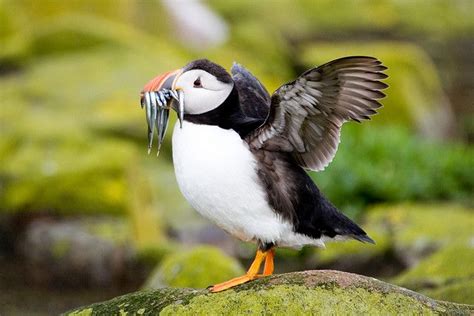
(306, 115)
(254, 98)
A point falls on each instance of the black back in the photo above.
(254, 98)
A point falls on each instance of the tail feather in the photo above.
(363, 238)
(339, 224)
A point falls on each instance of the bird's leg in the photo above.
(251, 274)
(268, 267)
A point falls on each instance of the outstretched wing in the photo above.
(306, 115)
(254, 98)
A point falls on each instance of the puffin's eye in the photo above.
(197, 83)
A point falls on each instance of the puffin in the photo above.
(241, 155)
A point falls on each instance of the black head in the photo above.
(214, 69)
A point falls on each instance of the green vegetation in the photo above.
(376, 164)
(451, 262)
(196, 268)
(408, 66)
(461, 291)
(98, 124)
(308, 17)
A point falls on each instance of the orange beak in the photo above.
(163, 81)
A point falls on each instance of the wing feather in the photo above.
(306, 115)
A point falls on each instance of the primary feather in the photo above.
(306, 115)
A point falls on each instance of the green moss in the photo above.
(452, 262)
(459, 292)
(434, 240)
(424, 226)
(401, 167)
(197, 268)
(153, 253)
(82, 312)
(310, 292)
(14, 35)
(413, 231)
(355, 249)
(81, 159)
(298, 300)
(326, 18)
(147, 302)
(89, 180)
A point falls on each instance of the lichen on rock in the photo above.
(309, 292)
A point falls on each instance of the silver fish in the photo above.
(181, 108)
(157, 107)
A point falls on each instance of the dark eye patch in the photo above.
(197, 83)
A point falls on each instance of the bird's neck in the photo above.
(228, 115)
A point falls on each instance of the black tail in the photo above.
(336, 223)
(318, 217)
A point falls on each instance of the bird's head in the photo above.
(203, 84)
(199, 87)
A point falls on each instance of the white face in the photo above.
(202, 91)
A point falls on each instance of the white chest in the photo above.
(216, 173)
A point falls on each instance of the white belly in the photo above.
(216, 173)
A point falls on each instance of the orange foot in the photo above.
(252, 273)
(233, 282)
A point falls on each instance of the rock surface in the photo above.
(309, 292)
(430, 249)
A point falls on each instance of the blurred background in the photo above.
(86, 214)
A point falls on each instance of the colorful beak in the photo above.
(163, 81)
(156, 98)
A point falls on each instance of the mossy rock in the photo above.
(412, 236)
(417, 230)
(354, 251)
(415, 97)
(461, 291)
(198, 268)
(451, 263)
(310, 292)
(72, 178)
(434, 242)
(91, 251)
